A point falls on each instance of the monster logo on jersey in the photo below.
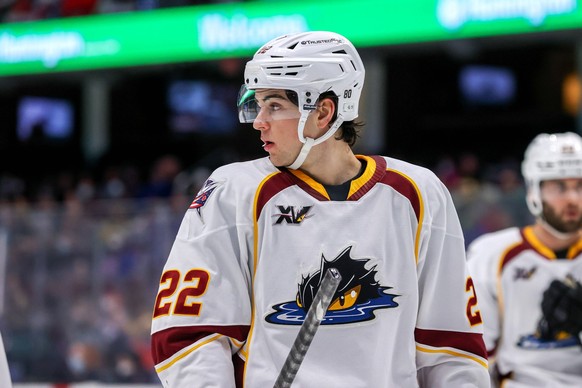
(356, 298)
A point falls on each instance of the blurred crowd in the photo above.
(82, 256)
(488, 197)
(82, 259)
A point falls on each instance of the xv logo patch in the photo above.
(524, 273)
(292, 214)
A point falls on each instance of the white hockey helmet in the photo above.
(309, 64)
(550, 156)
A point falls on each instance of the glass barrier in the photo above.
(79, 282)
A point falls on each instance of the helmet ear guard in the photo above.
(534, 200)
(550, 156)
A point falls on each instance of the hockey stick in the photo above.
(307, 331)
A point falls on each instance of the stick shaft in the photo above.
(309, 327)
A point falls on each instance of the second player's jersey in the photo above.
(511, 270)
(249, 257)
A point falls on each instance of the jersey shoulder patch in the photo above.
(204, 193)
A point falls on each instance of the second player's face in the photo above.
(277, 121)
(562, 199)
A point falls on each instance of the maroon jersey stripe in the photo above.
(273, 185)
(378, 174)
(468, 342)
(405, 187)
(514, 251)
(168, 342)
(239, 369)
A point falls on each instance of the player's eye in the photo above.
(269, 107)
(274, 107)
(347, 300)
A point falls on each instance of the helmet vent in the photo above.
(293, 46)
(340, 52)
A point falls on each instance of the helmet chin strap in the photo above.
(554, 232)
(309, 142)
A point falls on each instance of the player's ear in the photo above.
(325, 111)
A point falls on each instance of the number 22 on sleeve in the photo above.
(193, 285)
(473, 315)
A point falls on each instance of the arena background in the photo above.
(113, 112)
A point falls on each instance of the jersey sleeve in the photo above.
(202, 310)
(480, 257)
(449, 344)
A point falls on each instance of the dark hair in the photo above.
(348, 131)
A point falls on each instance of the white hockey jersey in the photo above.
(511, 270)
(248, 258)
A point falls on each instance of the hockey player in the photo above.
(254, 245)
(527, 279)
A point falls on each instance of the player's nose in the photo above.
(260, 121)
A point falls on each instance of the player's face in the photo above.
(562, 204)
(277, 121)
